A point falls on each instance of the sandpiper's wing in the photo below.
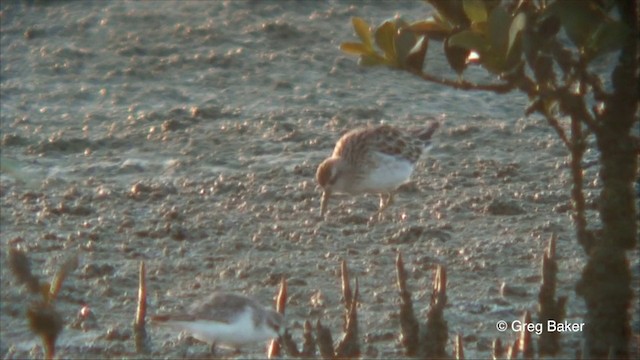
(405, 145)
(219, 307)
(362, 141)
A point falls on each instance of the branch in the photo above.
(555, 124)
(575, 106)
(576, 70)
(500, 88)
(596, 85)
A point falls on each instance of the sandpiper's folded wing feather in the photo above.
(222, 307)
(360, 140)
(385, 139)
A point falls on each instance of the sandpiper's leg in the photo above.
(385, 201)
(324, 202)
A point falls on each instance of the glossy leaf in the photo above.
(469, 40)
(429, 26)
(415, 59)
(405, 40)
(435, 29)
(481, 28)
(491, 4)
(362, 30)
(514, 58)
(499, 22)
(549, 26)
(517, 25)
(475, 10)
(384, 36)
(355, 48)
(578, 18)
(607, 37)
(456, 56)
(452, 11)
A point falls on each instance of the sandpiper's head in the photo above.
(327, 176)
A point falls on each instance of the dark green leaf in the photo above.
(499, 23)
(456, 56)
(475, 10)
(517, 25)
(435, 29)
(515, 56)
(578, 18)
(415, 60)
(405, 40)
(469, 40)
(452, 11)
(607, 37)
(549, 26)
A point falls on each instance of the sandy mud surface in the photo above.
(187, 135)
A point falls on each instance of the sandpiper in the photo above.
(226, 319)
(375, 159)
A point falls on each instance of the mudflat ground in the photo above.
(186, 135)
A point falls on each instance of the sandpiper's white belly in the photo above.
(239, 332)
(390, 172)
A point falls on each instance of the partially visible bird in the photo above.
(375, 159)
(228, 319)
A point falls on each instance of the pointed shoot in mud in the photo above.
(497, 350)
(139, 330)
(324, 341)
(435, 338)
(349, 346)
(512, 352)
(551, 250)
(459, 347)
(67, 267)
(346, 286)
(440, 285)
(525, 337)
(47, 323)
(281, 303)
(550, 307)
(309, 343)
(42, 316)
(409, 326)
